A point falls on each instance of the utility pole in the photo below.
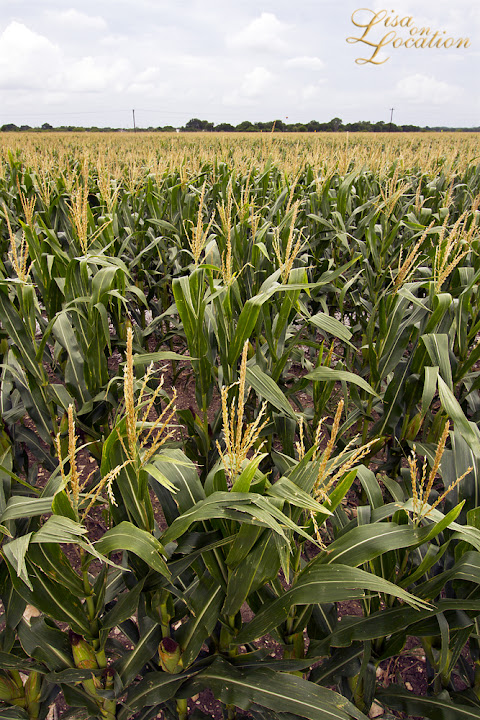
(391, 118)
(134, 126)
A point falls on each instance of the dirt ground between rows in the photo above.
(409, 669)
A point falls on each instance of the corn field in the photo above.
(239, 426)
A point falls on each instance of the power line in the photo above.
(155, 111)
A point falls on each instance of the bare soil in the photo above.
(408, 669)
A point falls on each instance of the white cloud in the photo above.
(55, 98)
(26, 58)
(255, 83)
(305, 62)
(266, 33)
(311, 92)
(149, 75)
(426, 89)
(93, 75)
(102, 59)
(149, 82)
(31, 62)
(78, 20)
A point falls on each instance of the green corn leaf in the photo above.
(75, 369)
(339, 664)
(438, 349)
(437, 527)
(259, 567)
(285, 489)
(245, 326)
(461, 459)
(393, 400)
(15, 552)
(244, 480)
(205, 601)
(390, 621)
(132, 662)
(153, 470)
(155, 688)
(71, 676)
(321, 584)
(366, 542)
(50, 559)
(58, 529)
(62, 506)
(127, 480)
(21, 507)
(327, 374)
(431, 557)
(103, 316)
(13, 662)
(371, 486)
(183, 475)
(441, 303)
(75, 697)
(126, 605)
(452, 407)
(126, 536)
(15, 326)
(244, 541)
(14, 607)
(331, 325)
(13, 713)
(53, 599)
(269, 390)
(392, 348)
(441, 707)
(278, 691)
(217, 505)
(429, 387)
(467, 568)
(464, 532)
(251, 508)
(250, 312)
(160, 356)
(33, 396)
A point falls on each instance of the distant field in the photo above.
(427, 152)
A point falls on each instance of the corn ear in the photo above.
(170, 656)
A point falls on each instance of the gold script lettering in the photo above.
(376, 18)
(368, 20)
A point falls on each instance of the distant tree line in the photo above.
(196, 125)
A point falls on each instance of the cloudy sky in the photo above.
(91, 63)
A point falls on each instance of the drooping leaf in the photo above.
(278, 691)
(269, 390)
(366, 542)
(452, 407)
(155, 688)
(126, 536)
(441, 707)
(321, 584)
(45, 643)
(52, 598)
(327, 374)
